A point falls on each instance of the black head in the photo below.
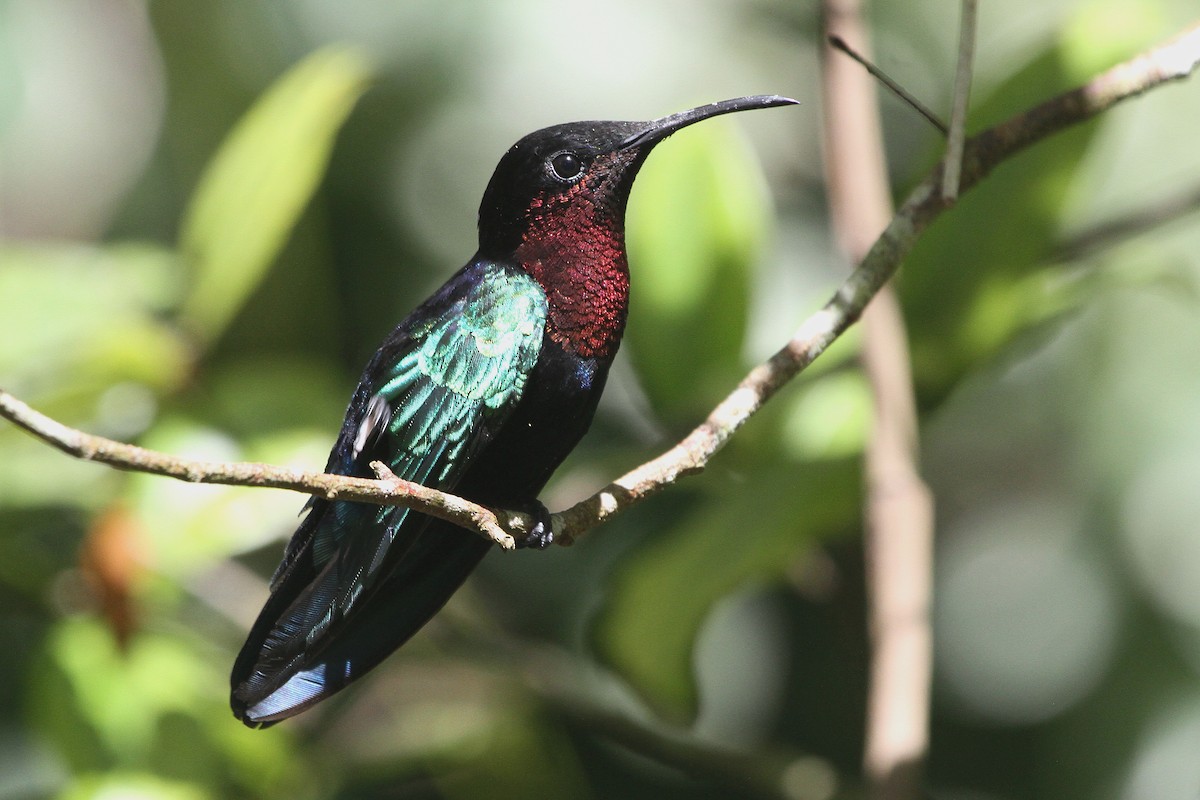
(596, 159)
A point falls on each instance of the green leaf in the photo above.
(91, 686)
(131, 786)
(190, 527)
(159, 706)
(260, 180)
(70, 312)
(751, 533)
(696, 223)
(82, 338)
(983, 273)
(828, 418)
(966, 285)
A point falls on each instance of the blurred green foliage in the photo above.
(696, 225)
(260, 180)
(201, 262)
(659, 602)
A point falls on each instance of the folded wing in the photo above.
(358, 580)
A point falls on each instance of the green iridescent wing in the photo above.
(458, 377)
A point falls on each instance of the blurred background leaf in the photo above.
(730, 539)
(697, 225)
(260, 181)
(108, 300)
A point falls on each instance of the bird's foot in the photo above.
(541, 535)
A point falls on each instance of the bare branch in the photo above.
(962, 96)
(389, 490)
(749, 773)
(1173, 60)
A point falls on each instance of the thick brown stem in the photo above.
(899, 518)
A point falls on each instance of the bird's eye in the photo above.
(566, 166)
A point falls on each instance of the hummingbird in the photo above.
(481, 391)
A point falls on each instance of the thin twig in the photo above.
(1173, 60)
(899, 510)
(750, 773)
(571, 687)
(838, 43)
(1120, 229)
(962, 97)
(388, 490)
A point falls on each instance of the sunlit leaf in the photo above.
(659, 600)
(697, 220)
(119, 696)
(1104, 33)
(74, 314)
(981, 274)
(157, 706)
(131, 786)
(965, 286)
(82, 339)
(828, 418)
(260, 180)
(193, 526)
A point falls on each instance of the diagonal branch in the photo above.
(840, 44)
(1173, 60)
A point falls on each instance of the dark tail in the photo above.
(279, 673)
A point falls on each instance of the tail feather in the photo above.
(282, 670)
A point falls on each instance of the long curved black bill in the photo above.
(659, 129)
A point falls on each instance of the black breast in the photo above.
(554, 412)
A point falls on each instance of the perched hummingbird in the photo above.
(482, 391)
